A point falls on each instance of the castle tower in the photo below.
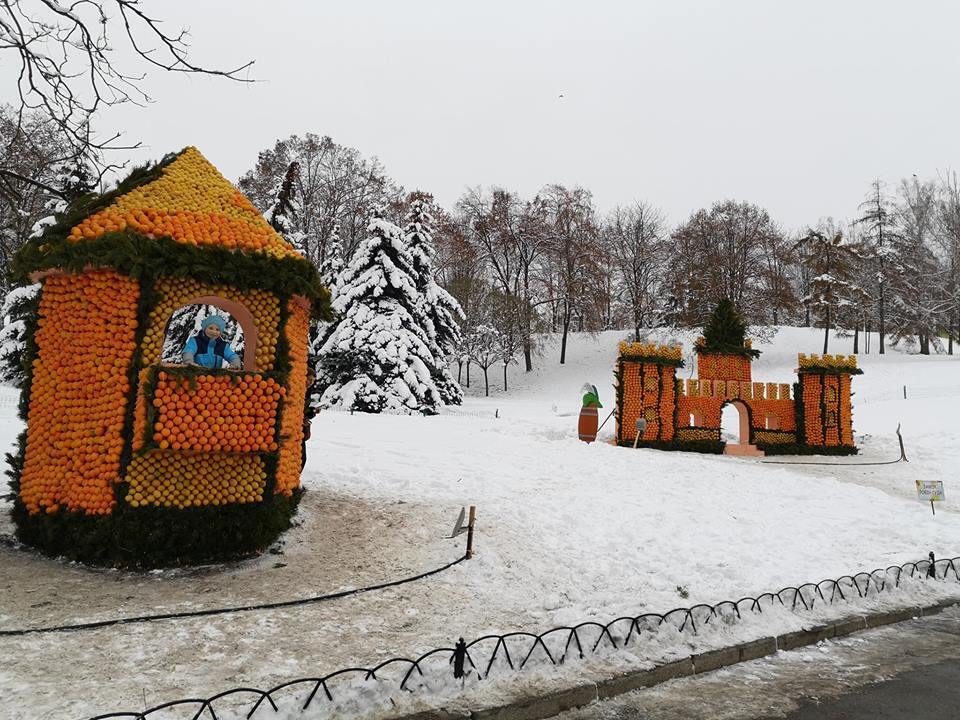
(825, 399)
(129, 461)
(647, 388)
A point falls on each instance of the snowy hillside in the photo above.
(566, 532)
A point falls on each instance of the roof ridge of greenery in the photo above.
(130, 253)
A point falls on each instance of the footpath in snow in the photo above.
(566, 532)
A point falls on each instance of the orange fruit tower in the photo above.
(126, 461)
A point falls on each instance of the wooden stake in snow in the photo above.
(470, 524)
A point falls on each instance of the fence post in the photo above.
(459, 655)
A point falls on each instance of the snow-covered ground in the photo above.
(566, 532)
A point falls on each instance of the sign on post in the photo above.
(931, 490)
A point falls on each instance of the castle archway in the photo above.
(740, 444)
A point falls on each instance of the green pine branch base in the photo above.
(156, 537)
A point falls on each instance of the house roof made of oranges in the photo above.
(191, 203)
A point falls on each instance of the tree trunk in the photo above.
(459, 371)
(883, 323)
(924, 344)
(504, 377)
(806, 320)
(826, 332)
(527, 355)
(955, 332)
(563, 339)
(468, 373)
(856, 338)
(486, 380)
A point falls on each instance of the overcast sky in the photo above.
(794, 106)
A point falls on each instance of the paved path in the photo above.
(909, 671)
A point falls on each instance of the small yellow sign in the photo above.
(931, 491)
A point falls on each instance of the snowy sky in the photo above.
(795, 106)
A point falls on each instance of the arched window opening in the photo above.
(185, 323)
(240, 329)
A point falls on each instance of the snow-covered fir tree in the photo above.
(74, 179)
(376, 355)
(19, 308)
(281, 213)
(442, 311)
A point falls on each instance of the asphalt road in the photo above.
(909, 671)
(930, 692)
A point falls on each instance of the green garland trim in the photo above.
(137, 256)
(828, 371)
(652, 359)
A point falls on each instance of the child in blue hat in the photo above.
(208, 349)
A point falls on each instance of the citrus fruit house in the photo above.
(130, 461)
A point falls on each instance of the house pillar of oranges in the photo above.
(126, 460)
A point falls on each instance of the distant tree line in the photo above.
(523, 266)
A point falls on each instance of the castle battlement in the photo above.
(651, 352)
(836, 363)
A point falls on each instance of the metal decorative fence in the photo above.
(467, 663)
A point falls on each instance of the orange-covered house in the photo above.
(129, 461)
(812, 415)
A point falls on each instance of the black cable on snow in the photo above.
(223, 611)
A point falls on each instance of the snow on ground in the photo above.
(566, 532)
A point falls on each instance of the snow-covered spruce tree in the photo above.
(19, 309)
(376, 356)
(283, 211)
(74, 179)
(442, 311)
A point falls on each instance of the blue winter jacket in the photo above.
(210, 353)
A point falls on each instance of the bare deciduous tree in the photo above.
(635, 236)
(75, 59)
(333, 185)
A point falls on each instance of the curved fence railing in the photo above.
(466, 663)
